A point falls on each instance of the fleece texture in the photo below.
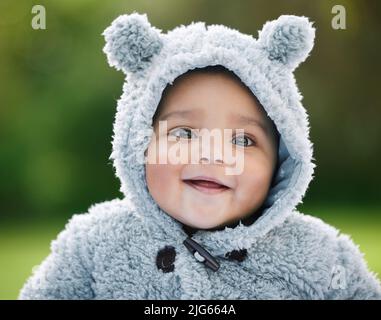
(114, 250)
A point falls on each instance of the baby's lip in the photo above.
(206, 178)
(207, 184)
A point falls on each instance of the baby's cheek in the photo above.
(253, 183)
(154, 175)
(161, 182)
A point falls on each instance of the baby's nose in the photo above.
(206, 160)
(212, 153)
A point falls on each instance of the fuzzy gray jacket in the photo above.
(130, 249)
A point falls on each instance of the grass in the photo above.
(26, 245)
(22, 248)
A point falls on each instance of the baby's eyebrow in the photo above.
(238, 118)
(179, 114)
(245, 120)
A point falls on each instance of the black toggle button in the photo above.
(201, 254)
(165, 259)
(238, 255)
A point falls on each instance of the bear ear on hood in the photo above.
(288, 39)
(131, 42)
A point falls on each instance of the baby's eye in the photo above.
(183, 133)
(244, 141)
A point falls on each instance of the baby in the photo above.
(211, 144)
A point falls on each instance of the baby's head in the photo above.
(212, 98)
(273, 179)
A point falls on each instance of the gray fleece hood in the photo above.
(151, 59)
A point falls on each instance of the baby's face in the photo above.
(212, 102)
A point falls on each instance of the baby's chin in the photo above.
(200, 222)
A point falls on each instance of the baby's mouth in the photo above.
(206, 186)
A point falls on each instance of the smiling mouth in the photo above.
(208, 187)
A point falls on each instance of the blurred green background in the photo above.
(58, 98)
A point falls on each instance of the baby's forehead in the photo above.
(196, 89)
(207, 85)
(194, 76)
